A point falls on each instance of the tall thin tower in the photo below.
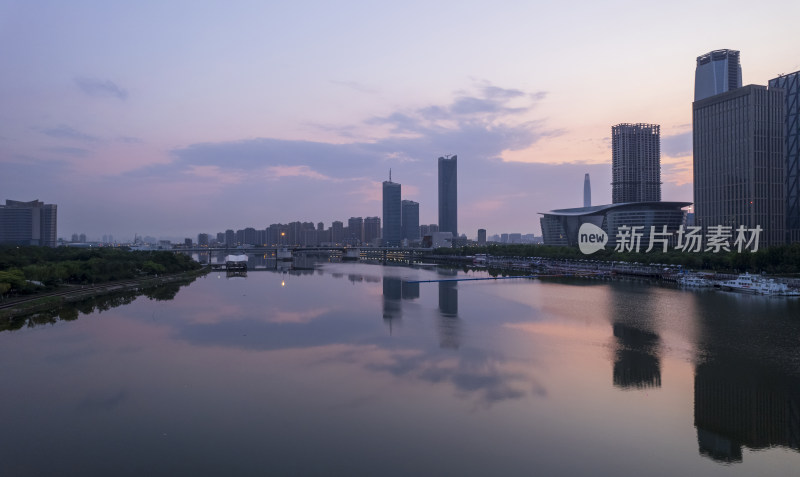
(448, 195)
(587, 191)
(391, 213)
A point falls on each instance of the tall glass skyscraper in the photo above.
(739, 161)
(448, 195)
(717, 72)
(392, 213)
(410, 220)
(790, 84)
(635, 163)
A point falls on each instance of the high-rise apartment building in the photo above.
(448, 194)
(337, 232)
(587, 191)
(410, 219)
(790, 84)
(481, 236)
(635, 163)
(355, 227)
(392, 214)
(739, 161)
(29, 223)
(717, 72)
(372, 229)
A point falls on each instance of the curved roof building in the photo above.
(560, 227)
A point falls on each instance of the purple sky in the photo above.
(174, 118)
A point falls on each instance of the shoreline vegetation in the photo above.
(36, 279)
(40, 284)
(68, 306)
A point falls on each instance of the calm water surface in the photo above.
(349, 370)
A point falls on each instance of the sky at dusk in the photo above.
(174, 118)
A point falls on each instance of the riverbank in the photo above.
(592, 269)
(38, 303)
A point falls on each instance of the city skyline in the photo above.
(182, 131)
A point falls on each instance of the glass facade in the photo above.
(448, 195)
(791, 86)
(392, 214)
(717, 72)
(560, 227)
(410, 220)
(739, 162)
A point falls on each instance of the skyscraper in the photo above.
(739, 161)
(635, 163)
(337, 232)
(29, 223)
(448, 194)
(717, 72)
(355, 227)
(372, 229)
(410, 220)
(587, 191)
(481, 236)
(392, 214)
(791, 86)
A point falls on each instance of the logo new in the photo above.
(591, 238)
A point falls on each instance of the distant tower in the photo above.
(392, 224)
(717, 72)
(635, 163)
(410, 220)
(587, 192)
(448, 194)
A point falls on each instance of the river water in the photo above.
(348, 369)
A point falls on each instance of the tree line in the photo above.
(29, 269)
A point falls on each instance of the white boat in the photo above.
(236, 262)
(695, 281)
(755, 284)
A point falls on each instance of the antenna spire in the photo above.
(390, 174)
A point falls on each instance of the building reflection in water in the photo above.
(449, 324)
(392, 294)
(737, 405)
(395, 290)
(410, 291)
(742, 399)
(637, 364)
(636, 361)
